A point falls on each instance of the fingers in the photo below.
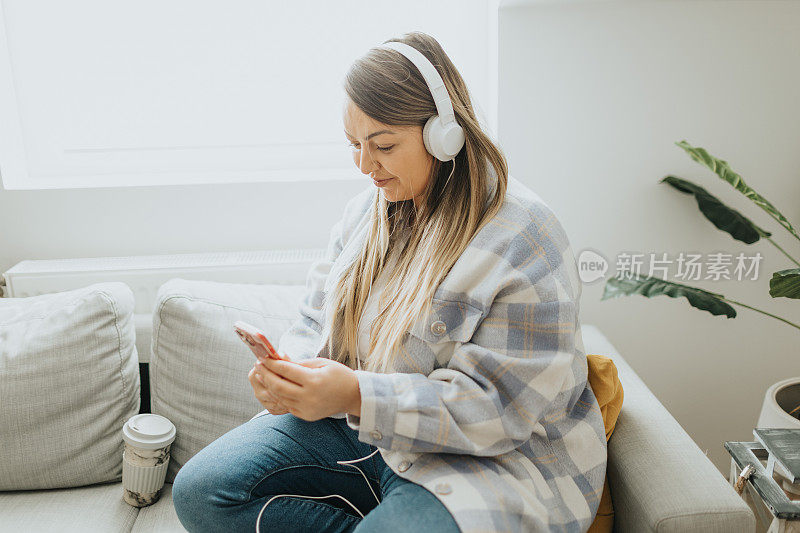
(276, 408)
(264, 396)
(288, 370)
(258, 385)
(272, 386)
(254, 378)
(273, 382)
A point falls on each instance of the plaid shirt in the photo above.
(491, 409)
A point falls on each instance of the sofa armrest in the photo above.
(659, 478)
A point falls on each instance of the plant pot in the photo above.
(779, 400)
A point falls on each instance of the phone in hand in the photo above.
(255, 338)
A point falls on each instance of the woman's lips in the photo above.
(380, 183)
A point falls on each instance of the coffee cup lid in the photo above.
(148, 431)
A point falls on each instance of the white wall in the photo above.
(593, 96)
(209, 101)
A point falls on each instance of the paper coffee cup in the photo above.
(148, 438)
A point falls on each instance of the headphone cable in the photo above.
(258, 520)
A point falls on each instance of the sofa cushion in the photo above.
(199, 366)
(75, 510)
(69, 379)
(159, 517)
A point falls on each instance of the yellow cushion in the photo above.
(608, 390)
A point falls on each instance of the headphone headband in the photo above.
(444, 107)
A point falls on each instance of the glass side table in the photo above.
(777, 509)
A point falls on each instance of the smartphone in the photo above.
(257, 341)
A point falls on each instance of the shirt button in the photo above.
(443, 488)
(438, 327)
(405, 465)
(376, 435)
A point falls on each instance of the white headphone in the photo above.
(442, 135)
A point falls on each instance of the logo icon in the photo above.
(591, 266)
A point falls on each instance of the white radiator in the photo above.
(145, 274)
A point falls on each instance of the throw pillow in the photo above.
(608, 389)
(69, 379)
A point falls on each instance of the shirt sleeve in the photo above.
(516, 369)
(301, 340)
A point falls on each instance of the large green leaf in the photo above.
(722, 169)
(785, 283)
(650, 287)
(723, 217)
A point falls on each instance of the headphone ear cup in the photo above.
(452, 140)
(439, 138)
(427, 136)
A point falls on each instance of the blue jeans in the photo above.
(226, 484)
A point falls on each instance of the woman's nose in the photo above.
(366, 163)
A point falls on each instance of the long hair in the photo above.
(461, 196)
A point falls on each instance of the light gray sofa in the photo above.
(660, 479)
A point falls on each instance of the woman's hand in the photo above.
(312, 389)
(263, 395)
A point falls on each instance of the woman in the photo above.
(438, 379)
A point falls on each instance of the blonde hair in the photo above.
(458, 202)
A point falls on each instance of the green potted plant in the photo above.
(781, 408)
